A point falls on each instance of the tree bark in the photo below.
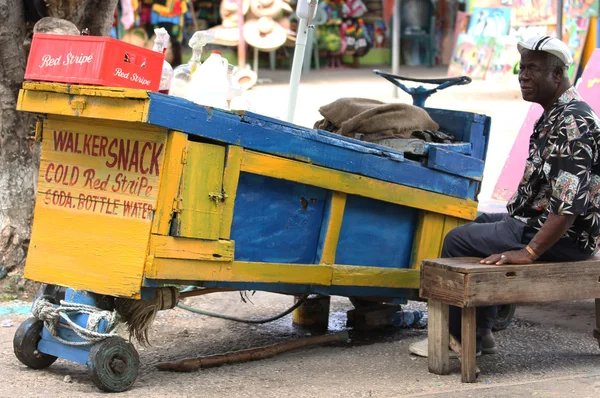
(19, 153)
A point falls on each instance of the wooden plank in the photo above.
(555, 282)
(455, 163)
(443, 285)
(324, 275)
(449, 224)
(96, 252)
(334, 180)
(169, 185)
(469, 360)
(261, 134)
(438, 338)
(99, 91)
(358, 275)
(231, 177)
(471, 265)
(202, 183)
(117, 109)
(333, 226)
(428, 238)
(192, 249)
(98, 190)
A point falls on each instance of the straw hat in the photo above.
(228, 10)
(264, 34)
(136, 36)
(268, 8)
(246, 78)
(226, 36)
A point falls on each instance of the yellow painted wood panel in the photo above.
(191, 270)
(95, 205)
(335, 180)
(449, 224)
(171, 180)
(99, 91)
(96, 252)
(353, 275)
(334, 226)
(200, 215)
(231, 177)
(92, 162)
(192, 249)
(120, 109)
(325, 275)
(428, 237)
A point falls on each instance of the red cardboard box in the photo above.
(101, 61)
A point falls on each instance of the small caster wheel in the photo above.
(504, 317)
(113, 364)
(25, 343)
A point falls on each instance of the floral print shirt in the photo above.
(562, 173)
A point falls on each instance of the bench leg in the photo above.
(597, 330)
(469, 360)
(438, 338)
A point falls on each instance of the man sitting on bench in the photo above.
(555, 213)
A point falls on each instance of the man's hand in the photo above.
(511, 257)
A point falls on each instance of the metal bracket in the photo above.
(217, 197)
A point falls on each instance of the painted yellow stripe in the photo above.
(120, 109)
(449, 224)
(335, 180)
(231, 177)
(334, 226)
(325, 275)
(192, 249)
(94, 91)
(428, 238)
(202, 184)
(170, 181)
(354, 275)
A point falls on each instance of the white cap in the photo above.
(548, 44)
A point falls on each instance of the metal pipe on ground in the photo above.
(252, 354)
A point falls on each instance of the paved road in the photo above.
(548, 351)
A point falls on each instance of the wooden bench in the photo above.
(465, 283)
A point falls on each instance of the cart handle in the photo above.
(420, 94)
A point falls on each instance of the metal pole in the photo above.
(559, 19)
(241, 42)
(301, 39)
(396, 42)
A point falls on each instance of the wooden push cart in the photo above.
(138, 189)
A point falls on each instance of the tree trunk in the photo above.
(19, 153)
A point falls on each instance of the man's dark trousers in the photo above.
(494, 234)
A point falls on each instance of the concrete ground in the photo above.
(548, 351)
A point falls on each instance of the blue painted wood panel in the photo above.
(276, 220)
(455, 163)
(376, 234)
(266, 135)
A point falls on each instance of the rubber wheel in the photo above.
(25, 343)
(504, 317)
(113, 364)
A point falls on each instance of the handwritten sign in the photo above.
(113, 173)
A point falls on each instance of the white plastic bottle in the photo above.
(180, 85)
(160, 45)
(209, 85)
